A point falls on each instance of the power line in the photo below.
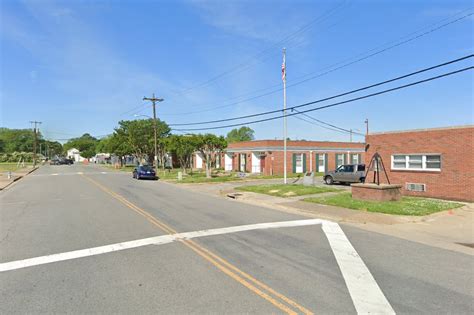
(322, 126)
(259, 55)
(331, 97)
(139, 107)
(334, 104)
(397, 44)
(331, 125)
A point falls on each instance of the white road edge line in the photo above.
(366, 295)
(157, 240)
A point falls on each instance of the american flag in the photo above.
(283, 70)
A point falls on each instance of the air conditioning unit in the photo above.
(415, 187)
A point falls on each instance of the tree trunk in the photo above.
(208, 167)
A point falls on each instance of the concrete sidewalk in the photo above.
(16, 175)
(452, 230)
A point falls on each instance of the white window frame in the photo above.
(423, 162)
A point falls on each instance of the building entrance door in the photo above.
(243, 162)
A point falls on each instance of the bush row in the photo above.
(16, 156)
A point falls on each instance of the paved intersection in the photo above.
(260, 270)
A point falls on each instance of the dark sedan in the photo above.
(144, 172)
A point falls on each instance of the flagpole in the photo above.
(284, 116)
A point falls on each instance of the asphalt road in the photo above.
(287, 269)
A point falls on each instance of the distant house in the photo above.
(101, 158)
(75, 154)
(435, 162)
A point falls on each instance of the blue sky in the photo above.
(81, 66)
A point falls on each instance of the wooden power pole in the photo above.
(35, 135)
(153, 100)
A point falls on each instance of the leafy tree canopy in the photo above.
(17, 140)
(240, 134)
(208, 145)
(86, 144)
(137, 137)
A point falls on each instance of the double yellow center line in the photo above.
(264, 291)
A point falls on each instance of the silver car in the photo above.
(349, 173)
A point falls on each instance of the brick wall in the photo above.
(456, 146)
(273, 158)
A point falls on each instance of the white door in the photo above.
(256, 163)
(198, 160)
(218, 161)
(243, 162)
(228, 162)
(321, 163)
(299, 163)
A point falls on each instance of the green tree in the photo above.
(50, 148)
(86, 144)
(183, 147)
(17, 140)
(240, 134)
(210, 146)
(136, 137)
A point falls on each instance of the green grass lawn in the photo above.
(199, 176)
(405, 206)
(5, 167)
(289, 190)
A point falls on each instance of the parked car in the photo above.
(61, 161)
(54, 162)
(350, 173)
(145, 172)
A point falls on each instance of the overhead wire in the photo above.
(247, 63)
(334, 127)
(322, 126)
(334, 104)
(397, 44)
(331, 97)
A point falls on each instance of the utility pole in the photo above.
(153, 100)
(35, 143)
(350, 132)
(366, 126)
(283, 76)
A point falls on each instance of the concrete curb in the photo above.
(18, 178)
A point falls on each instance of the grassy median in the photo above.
(416, 206)
(289, 190)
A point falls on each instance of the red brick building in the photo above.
(436, 163)
(266, 156)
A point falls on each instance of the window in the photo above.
(399, 161)
(349, 168)
(339, 160)
(433, 162)
(299, 160)
(355, 158)
(361, 168)
(418, 162)
(321, 160)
